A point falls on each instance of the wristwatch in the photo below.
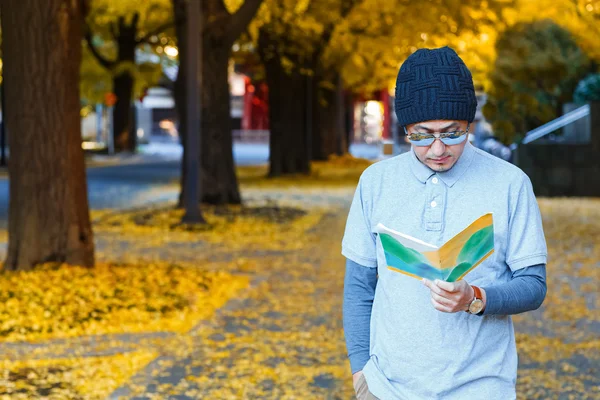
(476, 305)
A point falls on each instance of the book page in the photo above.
(406, 240)
(408, 255)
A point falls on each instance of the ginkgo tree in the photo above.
(510, 78)
(48, 206)
(537, 69)
(580, 17)
(222, 23)
(116, 31)
(363, 41)
(291, 39)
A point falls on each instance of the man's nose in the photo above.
(438, 148)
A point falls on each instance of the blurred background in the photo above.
(175, 177)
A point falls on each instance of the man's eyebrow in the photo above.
(445, 128)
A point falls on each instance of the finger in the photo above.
(447, 286)
(427, 283)
(440, 307)
(445, 308)
(442, 300)
(432, 286)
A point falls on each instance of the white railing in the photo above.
(555, 124)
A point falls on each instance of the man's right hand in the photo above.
(355, 377)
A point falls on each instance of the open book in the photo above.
(450, 262)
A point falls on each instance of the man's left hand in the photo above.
(450, 297)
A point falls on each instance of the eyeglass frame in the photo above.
(437, 135)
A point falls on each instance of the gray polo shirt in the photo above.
(417, 352)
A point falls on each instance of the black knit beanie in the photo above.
(434, 84)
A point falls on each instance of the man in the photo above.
(412, 339)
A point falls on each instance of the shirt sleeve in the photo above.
(359, 243)
(526, 242)
(525, 291)
(360, 283)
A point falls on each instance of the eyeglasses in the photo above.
(427, 139)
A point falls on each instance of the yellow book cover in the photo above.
(450, 262)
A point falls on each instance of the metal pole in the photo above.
(110, 139)
(193, 48)
(99, 124)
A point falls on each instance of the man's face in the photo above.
(438, 156)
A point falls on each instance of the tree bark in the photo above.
(126, 40)
(218, 178)
(288, 141)
(122, 118)
(330, 131)
(48, 206)
(123, 86)
(325, 124)
(179, 92)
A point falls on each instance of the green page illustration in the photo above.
(450, 262)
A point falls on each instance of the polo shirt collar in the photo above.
(422, 172)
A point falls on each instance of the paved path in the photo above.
(282, 338)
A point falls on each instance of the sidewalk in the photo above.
(282, 338)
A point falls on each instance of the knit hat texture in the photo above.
(434, 84)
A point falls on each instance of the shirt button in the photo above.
(435, 180)
(433, 204)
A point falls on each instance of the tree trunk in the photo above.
(349, 120)
(341, 142)
(329, 129)
(48, 206)
(288, 144)
(218, 179)
(123, 86)
(179, 10)
(324, 124)
(123, 89)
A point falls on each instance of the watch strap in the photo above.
(477, 293)
(476, 296)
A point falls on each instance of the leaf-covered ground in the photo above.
(559, 344)
(281, 337)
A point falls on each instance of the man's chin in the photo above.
(440, 167)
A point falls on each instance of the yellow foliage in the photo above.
(88, 377)
(287, 336)
(267, 225)
(64, 301)
(580, 17)
(338, 171)
(151, 12)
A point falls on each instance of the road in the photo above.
(118, 186)
(133, 185)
